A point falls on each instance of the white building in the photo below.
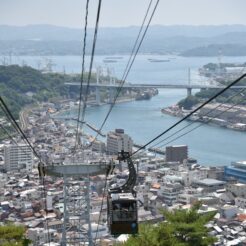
(98, 231)
(190, 176)
(240, 202)
(228, 211)
(18, 158)
(3, 180)
(98, 146)
(170, 192)
(49, 201)
(40, 236)
(118, 141)
(238, 189)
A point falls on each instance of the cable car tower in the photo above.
(76, 196)
(121, 200)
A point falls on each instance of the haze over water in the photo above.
(143, 120)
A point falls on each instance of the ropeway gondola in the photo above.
(122, 203)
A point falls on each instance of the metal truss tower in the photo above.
(76, 194)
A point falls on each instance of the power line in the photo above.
(191, 113)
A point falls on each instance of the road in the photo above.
(23, 119)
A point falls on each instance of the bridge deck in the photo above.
(166, 86)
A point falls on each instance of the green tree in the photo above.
(188, 102)
(11, 235)
(181, 228)
(16, 81)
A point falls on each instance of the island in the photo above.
(228, 110)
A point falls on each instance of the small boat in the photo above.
(114, 57)
(158, 60)
(109, 61)
(143, 96)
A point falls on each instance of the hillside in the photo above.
(53, 40)
(213, 50)
(51, 33)
(20, 86)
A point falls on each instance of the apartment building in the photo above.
(118, 141)
(18, 158)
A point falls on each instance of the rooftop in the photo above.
(210, 182)
(122, 196)
(240, 184)
(241, 162)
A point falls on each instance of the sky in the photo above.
(118, 13)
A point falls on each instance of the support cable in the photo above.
(91, 64)
(82, 73)
(129, 67)
(16, 126)
(12, 120)
(129, 63)
(191, 113)
(201, 124)
(10, 137)
(43, 181)
(13, 140)
(209, 112)
(104, 194)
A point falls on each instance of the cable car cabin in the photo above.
(122, 214)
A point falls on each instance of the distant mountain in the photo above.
(214, 49)
(54, 40)
(50, 32)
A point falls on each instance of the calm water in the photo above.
(143, 120)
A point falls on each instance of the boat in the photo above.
(158, 60)
(143, 96)
(114, 57)
(109, 61)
